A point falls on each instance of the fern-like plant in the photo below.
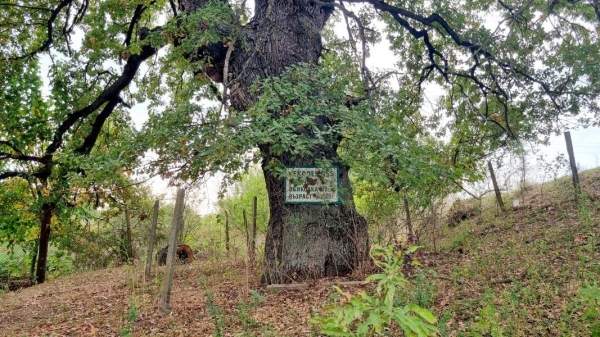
(382, 312)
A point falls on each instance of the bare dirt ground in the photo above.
(98, 304)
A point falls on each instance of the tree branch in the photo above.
(110, 93)
(137, 14)
(13, 174)
(37, 8)
(407, 18)
(50, 31)
(87, 145)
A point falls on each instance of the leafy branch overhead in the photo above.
(532, 64)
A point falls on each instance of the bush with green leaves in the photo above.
(382, 313)
(132, 316)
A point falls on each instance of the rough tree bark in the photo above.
(46, 213)
(176, 226)
(303, 241)
(151, 240)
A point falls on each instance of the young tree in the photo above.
(30, 139)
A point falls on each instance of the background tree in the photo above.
(55, 180)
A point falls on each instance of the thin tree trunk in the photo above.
(34, 253)
(496, 188)
(573, 164)
(167, 284)
(411, 235)
(253, 233)
(523, 177)
(45, 220)
(434, 225)
(227, 247)
(180, 233)
(246, 231)
(151, 240)
(128, 238)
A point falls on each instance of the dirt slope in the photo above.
(515, 274)
(99, 304)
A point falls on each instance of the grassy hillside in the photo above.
(524, 273)
(534, 271)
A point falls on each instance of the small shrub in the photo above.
(373, 314)
(216, 313)
(487, 323)
(423, 293)
(60, 263)
(244, 313)
(132, 315)
(585, 212)
(460, 240)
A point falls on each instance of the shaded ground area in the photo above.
(101, 303)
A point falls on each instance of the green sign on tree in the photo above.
(311, 185)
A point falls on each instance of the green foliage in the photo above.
(525, 38)
(296, 113)
(249, 324)
(251, 185)
(487, 323)
(293, 110)
(216, 313)
(13, 262)
(132, 315)
(76, 186)
(60, 262)
(589, 296)
(376, 314)
(18, 213)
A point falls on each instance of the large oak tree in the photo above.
(515, 68)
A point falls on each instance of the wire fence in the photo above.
(207, 235)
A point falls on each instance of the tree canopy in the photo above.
(227, 87)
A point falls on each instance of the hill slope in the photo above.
(519, 274)
(522, 273)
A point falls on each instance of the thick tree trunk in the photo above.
(45, 219)
(311, 241)
(303, 241)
